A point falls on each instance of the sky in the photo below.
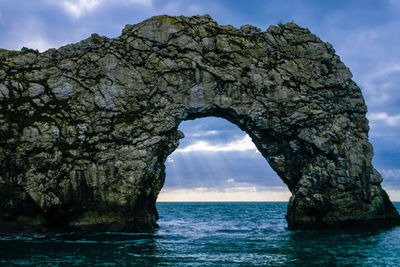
(216, 161)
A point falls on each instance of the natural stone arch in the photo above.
(85, 129)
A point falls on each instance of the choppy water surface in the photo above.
(210, 234)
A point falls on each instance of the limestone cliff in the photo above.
(85, 129)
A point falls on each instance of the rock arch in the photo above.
(85, 129)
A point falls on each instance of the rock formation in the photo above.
(85, 129)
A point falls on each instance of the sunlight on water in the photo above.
(199, 234)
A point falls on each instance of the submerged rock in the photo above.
(85, 129)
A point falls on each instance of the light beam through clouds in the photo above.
(216, 161)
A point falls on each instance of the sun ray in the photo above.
(220, 164)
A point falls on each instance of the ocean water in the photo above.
(210, 234)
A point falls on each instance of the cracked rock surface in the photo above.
(85, 129)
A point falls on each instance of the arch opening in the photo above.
(216, 161)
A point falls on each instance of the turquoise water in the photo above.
(214, 234)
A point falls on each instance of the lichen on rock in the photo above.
(85, 129)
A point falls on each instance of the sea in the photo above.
(210, 234)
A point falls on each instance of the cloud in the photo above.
(394, 195)
(179, 7)
(383, 117)
(387, 71)
(370, 51)
(30, 33)
(231, 180)
(391, 178)
(391, 173)
(233, 194)
(195, 9)
(207, 133)
(78, 8)
(38, 42)
(377, 83)
(242, 144)
(170, 159)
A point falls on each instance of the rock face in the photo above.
(85, 129)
